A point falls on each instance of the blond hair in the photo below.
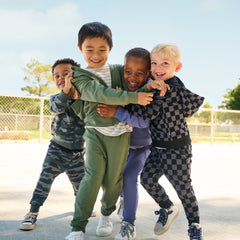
(169, 50)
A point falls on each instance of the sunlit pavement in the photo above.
(215, 175)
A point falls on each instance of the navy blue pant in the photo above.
(132, 169)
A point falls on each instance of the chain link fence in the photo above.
(25, 118)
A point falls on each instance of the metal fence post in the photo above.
(212, 126)
(41, 120)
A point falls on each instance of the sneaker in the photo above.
(78, 235)
(120, 208)
(127, 231)
(29, 221)
(105, 226)
(195, 232)
(165, 219)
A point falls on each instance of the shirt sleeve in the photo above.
(191, 102)
(124, 116)
(58, 102)
(93, 91)
(148, 112)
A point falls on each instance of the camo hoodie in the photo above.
(67, 128)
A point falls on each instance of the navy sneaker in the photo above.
(195, 232)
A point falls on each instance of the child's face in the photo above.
(95, 51)
(136, 72)
(163, 67)
(59, 74)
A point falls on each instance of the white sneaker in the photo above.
(75, 236)
(105, 226)
(29, 221)
(165, 219)
(120, 208)
(127, 231)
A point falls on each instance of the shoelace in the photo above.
(163, 215)
(195, 233)
(126, 229)
(30, 218)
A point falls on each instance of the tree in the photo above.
(232, 97)
(39, 78)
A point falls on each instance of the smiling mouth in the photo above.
(160, 75)
(132, 84)
(96, 62)
(62, 84)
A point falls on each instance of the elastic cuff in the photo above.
(34, 208)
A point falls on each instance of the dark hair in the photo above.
(65, 61)
(92, 30)
(139, 53)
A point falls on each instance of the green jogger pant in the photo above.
(106, 157)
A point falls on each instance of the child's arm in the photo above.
(122, 115)
(191, 102)
(92, 91)
(179, 99)
(58, 102)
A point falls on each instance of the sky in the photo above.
(206, 31)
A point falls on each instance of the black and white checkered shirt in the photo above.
(167, 116)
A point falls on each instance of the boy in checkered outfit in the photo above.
(171, 149)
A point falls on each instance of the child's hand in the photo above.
(107, 110)
(68, 84)
(144, 98)
(158, 84)
(118, 88)
(74, 94)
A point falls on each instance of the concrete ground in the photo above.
(215, 174)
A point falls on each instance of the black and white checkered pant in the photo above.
(175, 164)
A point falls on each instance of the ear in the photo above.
(79, 48)
(110, 48)
(178, 67)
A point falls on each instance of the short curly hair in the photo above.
(65, 61)
(139, 52)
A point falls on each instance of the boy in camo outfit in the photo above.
(66, 151)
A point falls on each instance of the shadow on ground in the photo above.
(220, 219)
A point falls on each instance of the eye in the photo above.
(56, 76)
(103, 50)
(66, 74)
(127, 72)
(153, 63)
(139, 74)
(165, 63)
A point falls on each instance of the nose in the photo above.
(95, 55)
(133, 76)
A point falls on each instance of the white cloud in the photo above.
(30, 33)
(30, 27)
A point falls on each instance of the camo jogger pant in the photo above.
(57, 161)
(175, 164)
